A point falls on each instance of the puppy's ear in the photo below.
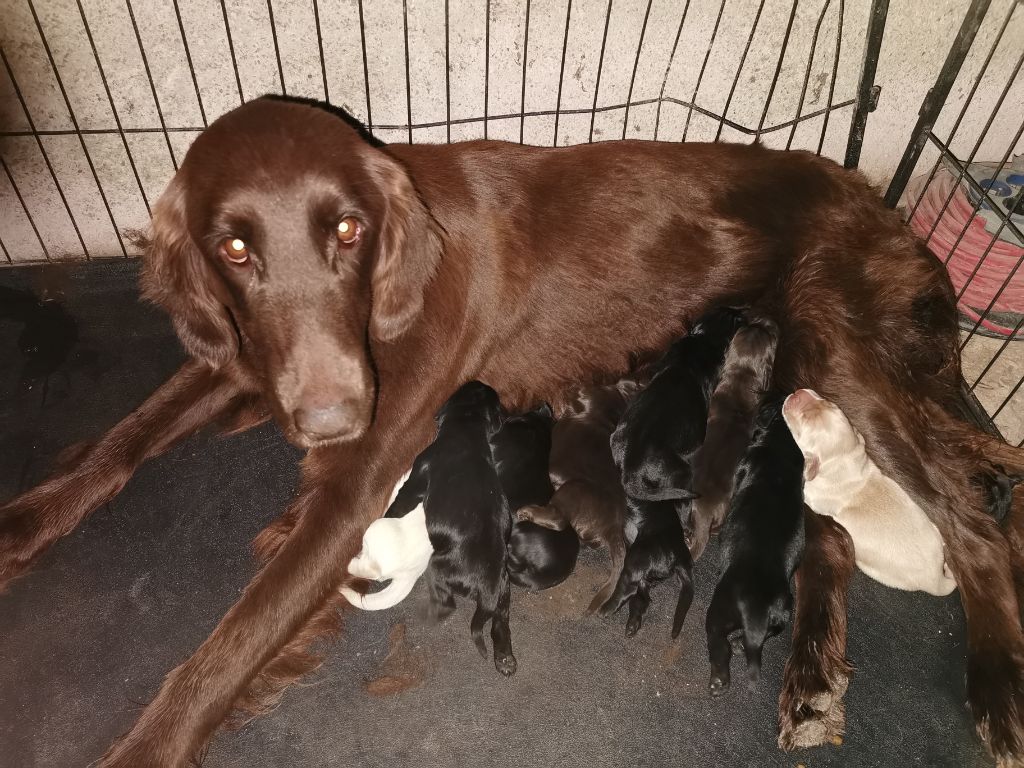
(811, 467)
(545, 410)
(408, 251)
(177, 278)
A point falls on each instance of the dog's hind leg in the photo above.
(193, 397)
(501, 635)
(684, 601)
(617, 551)
(721, 620)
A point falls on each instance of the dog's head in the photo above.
(820, 429)
(287, 233)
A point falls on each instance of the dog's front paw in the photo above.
(995, 691)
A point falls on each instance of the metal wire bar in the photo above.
(277, 48)
(703, 66)
(935, 99)
(113, 108)
(600, 66)
(526, 50)
(964, 108)
(74, 122)
(982, 315)
(42, 150)
(487, 65)
(807, 72)
(188, 59)
(320, 47)
(231, 50)
(778, 69)
(1009, 397)
(408, 83)
(865, 97)
(835, 73)
(4, 249)
(152, 86)
(561, 69)
(636, 62)
(24, 207)
(366, 67)
(739, 70)
(668, 68)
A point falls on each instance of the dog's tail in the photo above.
(684, 602)
(476, 627)
(617, 551)
(390, 596)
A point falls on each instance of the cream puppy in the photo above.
(894, 541)
(395, 548)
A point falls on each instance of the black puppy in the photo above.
(665, 423)
(467, 516)
(653, 446)
(656, 554)
(762, 544)
(538, 557)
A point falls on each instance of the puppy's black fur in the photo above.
(538, 557)
(762, 544)
(467, 516)
(664, 425)
(656, 554)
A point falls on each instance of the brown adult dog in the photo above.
(588, 496)
(350, 289)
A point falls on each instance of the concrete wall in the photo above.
(917, 39)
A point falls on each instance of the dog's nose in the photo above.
(324, 423)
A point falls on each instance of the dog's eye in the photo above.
(349, 231)
(235, 250)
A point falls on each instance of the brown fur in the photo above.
(817, 673)
(496, 262)
(588, 492)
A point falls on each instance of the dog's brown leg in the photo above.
(817, 673)
(94, 474)
(261, 644)
(1013, 529)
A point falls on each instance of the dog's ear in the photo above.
(408, 251)
(176, 277)
(545, 411)
(811, 467)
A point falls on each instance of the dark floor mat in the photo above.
(87, 636)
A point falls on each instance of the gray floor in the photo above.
(86, 637)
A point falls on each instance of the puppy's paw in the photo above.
(506, 665)
(719, 684)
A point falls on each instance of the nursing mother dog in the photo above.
(349, 289)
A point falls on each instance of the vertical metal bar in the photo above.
(366, 67)
(600, 66)
(561, 70)
(778, 69)
(668, 68)
(487, 66)
(277, 48)
(739, 71)
(807, 73)
(42, 149)
(934, 100)
(703, 66)
(876, 29)
(1009, 397)
(408, 83)
(78, 130)
(636, 62)
(188, 59)
(835, 73)
(231, 50)
(113, 107)
(448, 78)
(995, 297)
(152, 85)
(7, 255)
(963, 110)
(1002, 348)
(24, 207)
(526, 50)
(320, 48)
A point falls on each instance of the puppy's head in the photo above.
(820, 429)
(287, 237)
(471, 402)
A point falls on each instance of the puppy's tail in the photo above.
(617, 550)
(673, 488)
(390, 596)
(476, 628)
(684, 602)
